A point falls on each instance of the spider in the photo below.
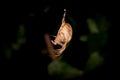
(64, 35)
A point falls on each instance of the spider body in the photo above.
(63, 36)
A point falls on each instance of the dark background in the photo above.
(29, 59)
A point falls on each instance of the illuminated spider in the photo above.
(63, 36)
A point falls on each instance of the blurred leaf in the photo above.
(84, 38)
(102, 23)
(8, 53)
(21, 31)
(21, 40)
(63, 70)
(94, 61)
(92, 26)
(102, 37)
(15, 46)
(46, 9)
(93, 43)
